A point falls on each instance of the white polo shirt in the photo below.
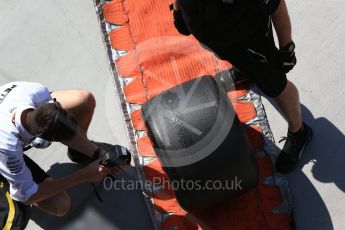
(16, 97)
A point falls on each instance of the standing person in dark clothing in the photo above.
(240, 31)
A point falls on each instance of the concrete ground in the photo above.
(318, 184)
(59, 44)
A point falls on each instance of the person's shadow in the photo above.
(117, 210)
(325, 154)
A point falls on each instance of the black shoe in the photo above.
(118, 155)
(104, 146)
(118, 152)
(78, 157)
(81, 158)
(293, 149)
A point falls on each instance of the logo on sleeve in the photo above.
(4, 94)
(14, 164)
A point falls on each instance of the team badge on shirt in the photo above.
(14, 164)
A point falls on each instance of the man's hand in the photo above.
(95, 172)
(287, 58)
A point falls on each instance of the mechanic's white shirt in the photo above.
(14, 98)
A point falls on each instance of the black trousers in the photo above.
(256, 57)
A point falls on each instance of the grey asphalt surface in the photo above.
(318, 184)
(59, 44)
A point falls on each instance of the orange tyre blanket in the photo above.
(148, 56)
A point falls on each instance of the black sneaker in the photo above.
(78, 157)
(118, 152)
(118, 155)
(293, 149)
(81, 158)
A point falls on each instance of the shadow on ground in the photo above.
(118, 210)
(326, 154)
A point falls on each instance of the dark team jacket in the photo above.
(219, 23)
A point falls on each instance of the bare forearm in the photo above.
(282, 24)
(52, 187)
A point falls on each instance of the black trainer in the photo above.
(117, 151)
(293, 149)
(81, 158)
(78, 157)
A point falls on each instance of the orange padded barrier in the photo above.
(120, 39)
(265, 167)
(164, 194)
(245, 110)
(114, 13)
(169, 205)
(138, 122)
(145, 147)
(255, 136)
(159, 58)
(270, 197)
(135, 91)
(128, 65)
(154, 172)
(241, 90)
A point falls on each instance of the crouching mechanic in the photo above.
(29, 110)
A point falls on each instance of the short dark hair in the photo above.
(52, 123)
(42, 117)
